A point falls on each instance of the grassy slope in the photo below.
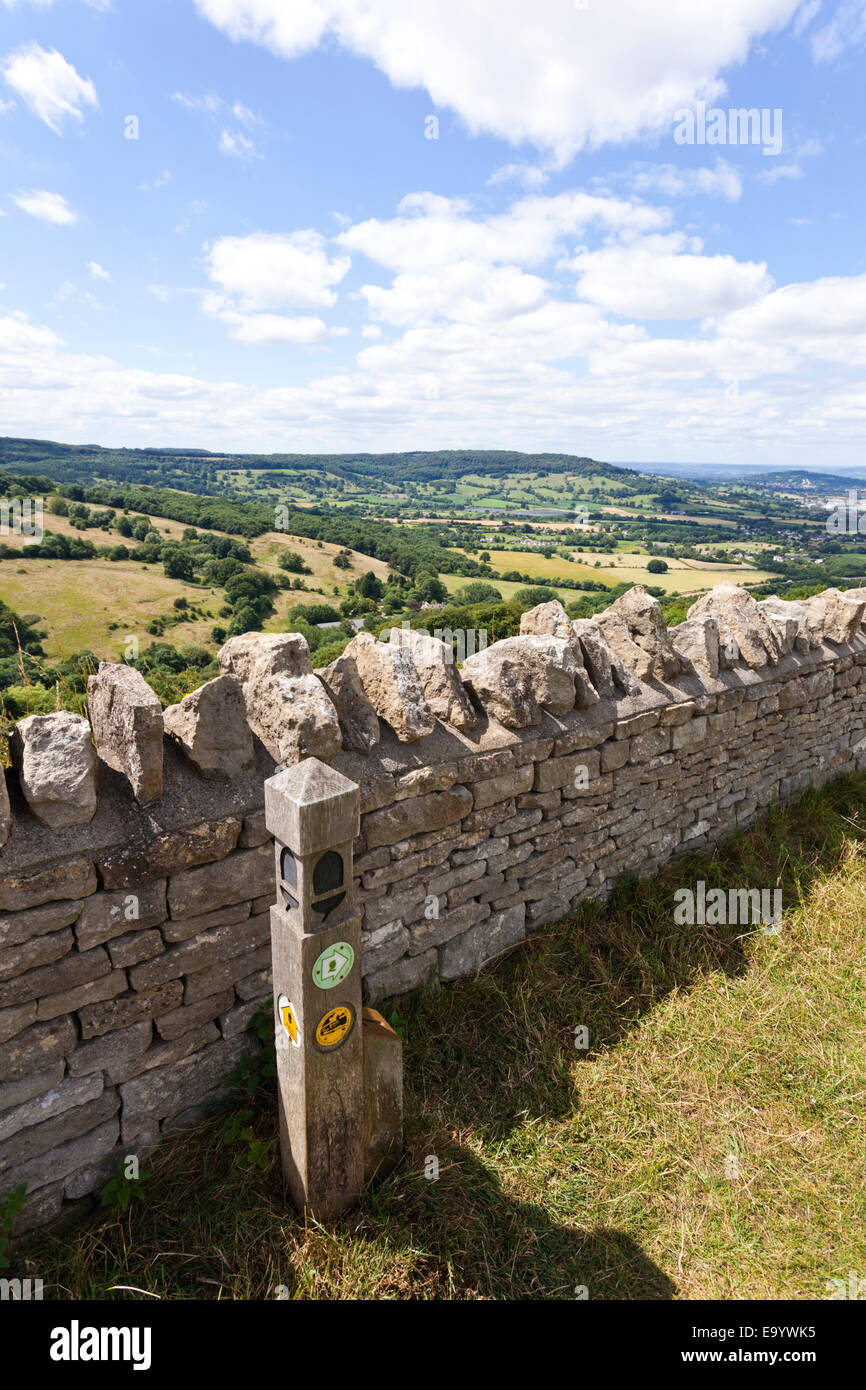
(77, 599)
(561, 1168)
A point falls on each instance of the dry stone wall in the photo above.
(135, 884)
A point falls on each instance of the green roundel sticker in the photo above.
(333, 965)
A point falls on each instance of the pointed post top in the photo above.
(311, 807)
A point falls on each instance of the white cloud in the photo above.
(48, 85)
(779, 172)
(817, 315)
(666, 277)
(433, 232)
(267, 270)
(529, 175)
(69, 291)
(244, 114)
(847, 29)
(486, 306)
(18, 334)
(270, 328)
(97, 272)
(804, 16)
(233, 143)
(48, 207)
(553, 74)
(512, 381)
(214, 105)
(210, 102)
(807, 150)
(238, 145)
(722, 181)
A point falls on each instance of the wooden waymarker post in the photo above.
(313, 813)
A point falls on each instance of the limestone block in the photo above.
(51, 1134)
(210, 726)
(467, 953)
(39, 950)
(841, 615)
(551, 619)
(287, 706)
(359, 722)
(56, 763)
(38, 1046)
(404, 975)
(744, 630)
(609, 675)
(438, 676)
(107, 915)
(18, 927)
(696, 641)
(393, 686)
(517, 678)
(425, 813)
(167, 854)
(127, 726)
(58, 1163)
(636, 620)
(77, 968)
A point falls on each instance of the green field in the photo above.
(682, 576)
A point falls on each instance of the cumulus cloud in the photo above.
(431, 231)
(268, 328)
(97, 272)
(667, 277)
(513, 379)
(49, 85)
(48, 207)
(532, 325)
(268, 270)
(559, 76)
(819, 315)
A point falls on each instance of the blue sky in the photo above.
(385, 224)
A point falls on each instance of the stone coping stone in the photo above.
(189, 799)
(120, 822)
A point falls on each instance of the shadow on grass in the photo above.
(491, 1051)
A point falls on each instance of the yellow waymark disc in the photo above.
(335, 1026)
